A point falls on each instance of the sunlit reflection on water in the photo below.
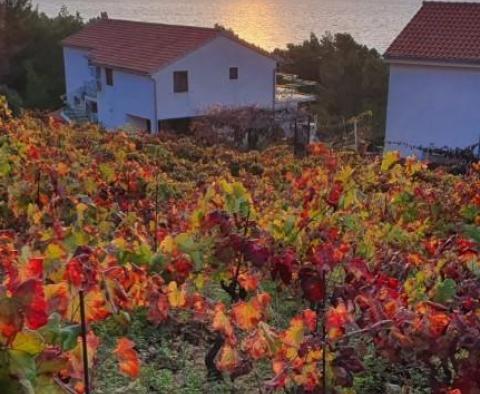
(268, 23)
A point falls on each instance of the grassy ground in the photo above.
(172, 361)
(173, 358)
(173, 354)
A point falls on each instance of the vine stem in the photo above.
(212, 370)
(66, 388)
(245, 229)
(86, 376)
(376, 326)
(38, 187)
(234, 283)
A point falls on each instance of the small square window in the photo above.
(180, 81)
(233, 72)
(109, 76)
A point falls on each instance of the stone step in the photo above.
(76, 115)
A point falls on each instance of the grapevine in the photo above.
(379, 249)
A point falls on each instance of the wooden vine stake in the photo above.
(324, 333)
(156, 215)
(128, 189)
(86, 376)
(156, 201)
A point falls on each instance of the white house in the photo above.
(150, 75)
(434, 88)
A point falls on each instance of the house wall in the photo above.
(77, 71)
(131, 94)
(209, 83)
(433, 105)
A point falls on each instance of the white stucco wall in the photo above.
(209, 84)
(433, 105)
(131, 94)
(209, 80)
(77, 71)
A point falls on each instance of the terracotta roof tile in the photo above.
(440, 31)
(139, 46)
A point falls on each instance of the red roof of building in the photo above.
(440, 31)
(140, 46)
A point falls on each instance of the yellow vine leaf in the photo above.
(389, 159)
(228, 358)
(28, 341)
(177, 298)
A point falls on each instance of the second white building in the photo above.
(434, 89)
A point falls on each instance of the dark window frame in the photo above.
(233, 73)
(180, 81)
(94, 107)
(109, 76)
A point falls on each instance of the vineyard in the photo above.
(333, 273)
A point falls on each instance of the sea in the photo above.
(268, 23)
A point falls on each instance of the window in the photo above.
(93, 107)
(180, 81)
(233, 72)
(109, 76)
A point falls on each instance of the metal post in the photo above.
(310, 121)
(295, 141)
(355, 132)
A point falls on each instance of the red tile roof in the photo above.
(442, 32)
(140, 46)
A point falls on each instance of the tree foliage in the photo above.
(15, 102)
(352, 78)
(32, 63)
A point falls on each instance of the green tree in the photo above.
(351, 77)
(15, 19)
(36, 88)
(14, 100)
(34, 62)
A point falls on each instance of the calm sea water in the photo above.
(268, 23)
